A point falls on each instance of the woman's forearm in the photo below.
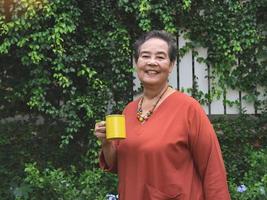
(109, 152)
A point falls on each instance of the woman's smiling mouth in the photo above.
(151, 72)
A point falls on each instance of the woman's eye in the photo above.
(145, 56)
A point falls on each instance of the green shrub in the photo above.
(49, 184)
(239, 136)
(23, 142)
(26, 142)
(254, 183)
(243, 141)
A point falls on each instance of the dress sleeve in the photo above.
(207, 154)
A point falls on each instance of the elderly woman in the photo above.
(171, 150)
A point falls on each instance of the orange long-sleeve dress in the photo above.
(174, 155)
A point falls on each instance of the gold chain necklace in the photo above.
(142, 118)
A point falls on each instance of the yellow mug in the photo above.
(115, 127)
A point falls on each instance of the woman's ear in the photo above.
(172, 66)
(134, 63)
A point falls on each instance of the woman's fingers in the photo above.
(100, 130)
(101, 123)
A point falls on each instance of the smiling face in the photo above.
(153, 64)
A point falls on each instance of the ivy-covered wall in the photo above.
(70, 63)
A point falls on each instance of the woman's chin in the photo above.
(152, 82)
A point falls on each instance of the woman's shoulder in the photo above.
(184, 98)
(184, 103)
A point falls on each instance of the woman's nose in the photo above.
(152, 61)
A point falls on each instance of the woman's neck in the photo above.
(153, 91)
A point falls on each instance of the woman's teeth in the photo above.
(151, 72)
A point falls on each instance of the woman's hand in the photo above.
(100, 132)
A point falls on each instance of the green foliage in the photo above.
(239, 136)
(61, 75)
(27, 142)
(244, 146)
(235, 34)
(57, 184)
(255, 179)
(22, 142)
